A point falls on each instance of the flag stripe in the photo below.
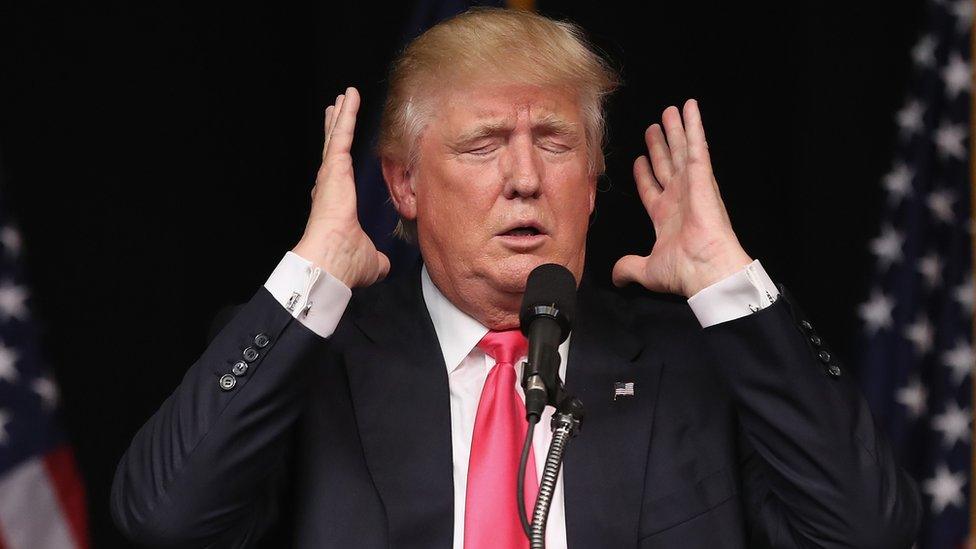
(63, 472)
(30, 514)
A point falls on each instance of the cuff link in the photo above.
(227, 382)
(292, 301)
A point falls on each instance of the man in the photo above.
(381, 408)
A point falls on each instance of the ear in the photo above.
(399, 182)
(592, 190)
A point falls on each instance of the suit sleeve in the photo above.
(816, 471)
(203, 470)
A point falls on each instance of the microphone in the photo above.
(546, 318)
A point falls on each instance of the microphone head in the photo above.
(549, 291)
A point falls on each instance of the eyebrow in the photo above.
(549, 124)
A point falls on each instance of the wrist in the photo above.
(715, 269)
(328, 255)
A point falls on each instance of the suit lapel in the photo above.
(605, 464)
(401, 398)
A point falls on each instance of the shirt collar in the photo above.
(457, 332)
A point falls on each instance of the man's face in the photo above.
(502, 186)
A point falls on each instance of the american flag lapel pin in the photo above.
(623, 389)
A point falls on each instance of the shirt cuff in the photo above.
(746, 291)
(314, 297)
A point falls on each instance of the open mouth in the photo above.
(522, 231)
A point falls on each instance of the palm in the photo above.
(695, 241)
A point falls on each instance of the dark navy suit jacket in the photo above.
(744, 434)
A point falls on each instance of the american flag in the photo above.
(623, 388)
(918, 318)
(42, 503)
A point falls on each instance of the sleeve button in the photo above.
(262, 340)
(240, 368)
(227, 382)
(815, 339)
(824, 356)
(806, 325)
(250, 354)
(834, 370)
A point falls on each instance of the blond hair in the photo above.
(507, 45)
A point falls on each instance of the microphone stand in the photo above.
(565, 425)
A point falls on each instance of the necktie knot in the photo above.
(505, 347)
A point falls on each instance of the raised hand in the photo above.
(695, 244)
(334, 240)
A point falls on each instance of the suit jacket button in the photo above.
(815, 339)
(239, 369)
(806, 325)
(824, 356)
(262, 340)
(227, 382)
(250, 354)
(834, 370)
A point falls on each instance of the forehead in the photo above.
(463, 106)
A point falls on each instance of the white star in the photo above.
(949, 138)
(921, 334)
(47, 390)
(13, 301)
(941, 202)
(911, 117)
(957, 76)
(898, 183)
(945, 489)
(960, 360)
(4, 421)
(10, 239)
(876, 312)
(924, 52)
(913, 396)
(953, 424)
(963, 10)
(8, 358)
(931, 268)
(963, 294)
(888, 246)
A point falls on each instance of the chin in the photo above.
(511, 273)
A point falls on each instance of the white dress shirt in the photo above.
(317, 300)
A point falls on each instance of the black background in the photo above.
(158, 158)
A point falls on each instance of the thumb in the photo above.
(383, 265)
(629, 268)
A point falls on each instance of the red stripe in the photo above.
(60, 465)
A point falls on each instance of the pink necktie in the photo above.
(490, 509)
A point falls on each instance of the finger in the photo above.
(675, 131)
(660, 155)
(327, 127)
(695, 132)
(345, 125)
(628, 268)
(647, 184)
(336, 109)
(383, 264)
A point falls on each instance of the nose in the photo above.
(523, 177)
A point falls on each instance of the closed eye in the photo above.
(482, 151)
